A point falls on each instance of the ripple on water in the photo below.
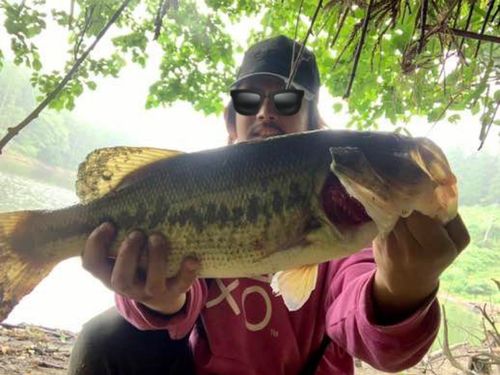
(21, 193)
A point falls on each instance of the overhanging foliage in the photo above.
(391, 58)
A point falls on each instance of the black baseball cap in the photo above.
(273, 57)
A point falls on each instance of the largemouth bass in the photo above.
(281, 205)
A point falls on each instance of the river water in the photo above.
(69, 296)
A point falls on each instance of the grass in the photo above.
(463, 325)
(469, 277)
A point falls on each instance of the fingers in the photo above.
(458, 233)
(404, 236)
(95, 255)
(185, 277)
(155, 281)
(429, 233)
(432, 234)
(124, 276)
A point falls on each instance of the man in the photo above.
(378, 304)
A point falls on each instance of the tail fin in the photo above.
(19, 273)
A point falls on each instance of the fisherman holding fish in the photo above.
(378, 304)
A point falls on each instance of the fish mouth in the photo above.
(341, 209)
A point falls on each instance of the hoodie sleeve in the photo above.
(178, 325)
(350, 322)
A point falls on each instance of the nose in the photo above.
(267, 112)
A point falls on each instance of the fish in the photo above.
(280, 205)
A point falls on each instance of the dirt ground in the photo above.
(29, 349)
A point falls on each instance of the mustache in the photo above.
(255, 129)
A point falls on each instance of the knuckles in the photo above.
(154, 290)
(156, 242)
(88, 265)
(101, 234)
(465, 241)
(121, 284)
(134, 241)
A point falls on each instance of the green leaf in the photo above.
(37, 65)
(70, 104)
(496, 96)
(199, 52)
(475, 109)
(434, 114)
(453, 119)
(91, 85)
(78, 89)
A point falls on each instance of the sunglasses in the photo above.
(247, 102)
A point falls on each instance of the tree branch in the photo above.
(457, 17)
(71, 14)
(467, 34)
(346, 45)
(496, 13)
(485, 129)
(489, 319)
(292, 66)
(12, 132)
(342, 20)
(378, 43)
(423, 20)
(497, 283)
(469, 17)
(293, 72)
(490, 8)
(325, 22)
(359, 49)
(89, 12)
(443, 113)
(163, 8)
(446, 347)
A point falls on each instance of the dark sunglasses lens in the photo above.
(288, 103)
(246, 103)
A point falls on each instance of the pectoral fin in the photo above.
(295, 285)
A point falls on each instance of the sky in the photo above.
(69, 296)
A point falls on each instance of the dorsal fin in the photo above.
(105, 169)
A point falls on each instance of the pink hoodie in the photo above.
(248, 330)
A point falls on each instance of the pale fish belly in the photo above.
(239, 236)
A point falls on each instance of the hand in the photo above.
(410, 260)
(166, 296)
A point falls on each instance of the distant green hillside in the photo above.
(478, 177)
(470, 275)
(56, 139)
